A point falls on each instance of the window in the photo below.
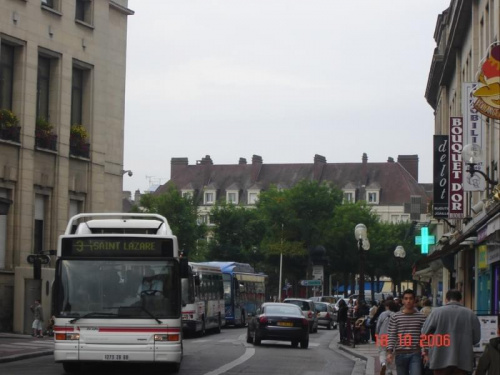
(209, 197)
(6, 76)
(48, 3)
(204, 219)
(75, 207)
(394, 219)
(43, 88)
(187, 194)
(232, 197)
(348, 197)
(372, 197)
(84, 11)
(77, 97)
(405, 218)
(253, 197)
(3, 233)
(39, 223)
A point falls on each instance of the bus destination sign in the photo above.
(81, 247)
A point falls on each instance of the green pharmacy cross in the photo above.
(425, 240)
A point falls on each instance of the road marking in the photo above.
(249, 352)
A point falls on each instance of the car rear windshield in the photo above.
(282, 310)
(321, 307)
(304, 305)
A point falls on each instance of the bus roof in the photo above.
(204, 267)
(230, 267)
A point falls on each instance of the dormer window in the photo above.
(232, 197)
(253, 197)
(349, 197)
(209, 197)
(372, 197)
(187, 193)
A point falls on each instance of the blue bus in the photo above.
(244, 291)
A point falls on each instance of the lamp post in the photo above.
(472, 155)
(361, 235)
(400, 254)
(281, 265)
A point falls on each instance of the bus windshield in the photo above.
(118, 289)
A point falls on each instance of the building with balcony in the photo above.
(62, 75)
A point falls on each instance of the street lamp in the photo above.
(472, 154)
(400, 254)
(361, 235)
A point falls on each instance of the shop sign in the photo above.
(473, 133)
(482, 234)
(488, 91)
(456, 195)
(493, 255)
(441, 202)
(482, 252)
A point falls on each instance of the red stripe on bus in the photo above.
(63, 329)
(155, 330)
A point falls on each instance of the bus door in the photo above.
(237, 299)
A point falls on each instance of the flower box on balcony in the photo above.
(9, 126)
(78, 145)
(11, 134)
(46, 140)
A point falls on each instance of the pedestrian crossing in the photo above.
(19, 346)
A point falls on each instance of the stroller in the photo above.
(50, 327)
(361, 331)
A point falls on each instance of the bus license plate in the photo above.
(285, 324)
(116, 357)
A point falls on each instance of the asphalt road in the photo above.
(216, 354)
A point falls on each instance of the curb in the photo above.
(360, 362)
(19, 357)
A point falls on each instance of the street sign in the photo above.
(31, 259)
(43, 259)
(310, 282)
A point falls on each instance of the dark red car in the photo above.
(279, 321)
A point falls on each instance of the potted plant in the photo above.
(9, 126)
(45, 138)
(78, 145)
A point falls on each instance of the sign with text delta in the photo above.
(440, 205)
(456, 196)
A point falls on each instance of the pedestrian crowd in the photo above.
(416, 339)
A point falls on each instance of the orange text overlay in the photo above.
(425, 341)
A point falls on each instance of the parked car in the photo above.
(279, 321)
(327, 316)
(308, 310)
(329, 299)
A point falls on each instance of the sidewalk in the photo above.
(365, 352)
(14, 347)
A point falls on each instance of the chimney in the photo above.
(319, 163)
(410, 163)
(256, 165)
(242, 161)
(176, 165)
(390, 159)
(207, 160)
(364, 158)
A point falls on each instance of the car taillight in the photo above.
(310, 314)
(327, 315)
(305, 322)
(262, 320)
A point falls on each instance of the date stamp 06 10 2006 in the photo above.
(425, 341)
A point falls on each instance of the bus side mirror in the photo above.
(197, 280)
(184, 268)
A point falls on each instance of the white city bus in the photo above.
(117, 291)
(203, 299)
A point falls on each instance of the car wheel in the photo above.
(304, 344)
(295, 343)
(249, 337)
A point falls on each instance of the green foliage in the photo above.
(237, 234)
(43, 126)
(78, 132)
(8, 119)
(181, 213)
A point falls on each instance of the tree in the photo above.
(237, 234)
(181, 213)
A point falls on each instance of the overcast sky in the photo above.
(283, 79)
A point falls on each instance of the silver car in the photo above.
(327, 316)
(308, 310)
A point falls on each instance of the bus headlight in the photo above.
(174, 337)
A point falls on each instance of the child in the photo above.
(38, 322)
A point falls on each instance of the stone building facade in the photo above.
(465, 62)
(62, 64)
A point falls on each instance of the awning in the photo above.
(454, 247)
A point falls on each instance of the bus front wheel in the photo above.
(71, 367)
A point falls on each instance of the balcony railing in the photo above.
(78, 147)
(11, 133)
(45, 140)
